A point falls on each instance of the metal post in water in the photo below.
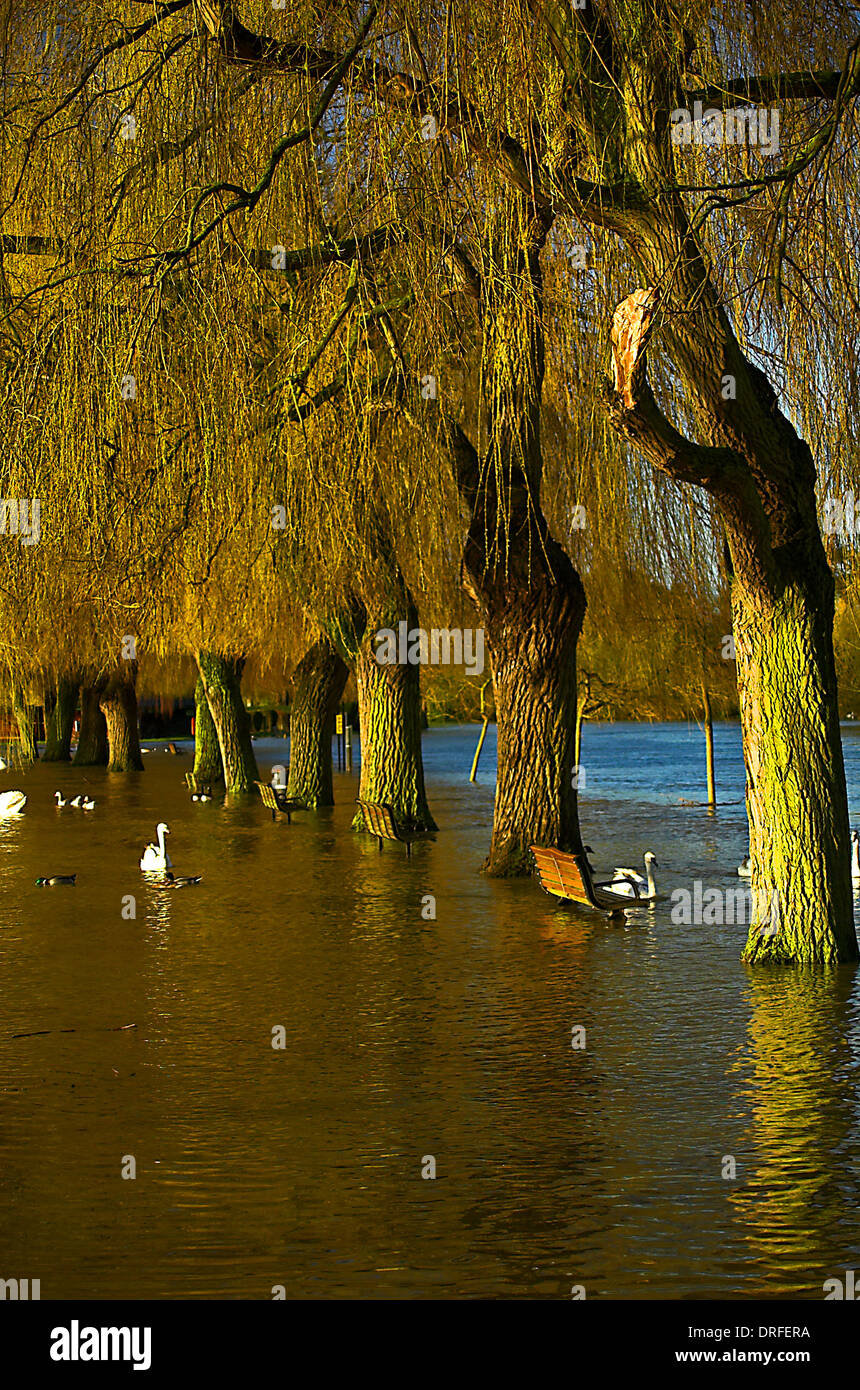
(348, 738)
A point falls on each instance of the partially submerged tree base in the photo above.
(389, 717)
(222, 677)
(119, 707)
(92, 749)
(318, 685)
(207, 753)
(58, 744)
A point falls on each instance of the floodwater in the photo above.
(408, 1039)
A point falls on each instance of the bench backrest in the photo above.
(380, 820)
(269, 796)
(560, 874)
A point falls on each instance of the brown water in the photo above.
(405, 1037)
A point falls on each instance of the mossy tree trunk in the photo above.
(389, 717)
(92, 749)
(58, 743)
(24, 717)
(783, 597)
(222, 681)
(798, 811)
(118, 704)
(207, 752)
(318, 685)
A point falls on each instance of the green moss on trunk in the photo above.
(796, 796)
(389, 714)
(222, 676)
(207, 753)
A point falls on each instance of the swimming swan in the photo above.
(644, 889)
(12, 803)
(156, 857)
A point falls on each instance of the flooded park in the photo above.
(404, 1037)
(429, 667)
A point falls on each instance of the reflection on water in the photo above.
(404, 1038)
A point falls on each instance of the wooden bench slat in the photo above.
(379, 821)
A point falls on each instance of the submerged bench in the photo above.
(569, 876)
(379, 821)
(277, 801)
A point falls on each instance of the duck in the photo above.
(155, 857)
(632, 884)
(12, 803)
(61, 800)
(55, 880)
(745, 868)
(88, 804)
(171, 881)
(76, 801)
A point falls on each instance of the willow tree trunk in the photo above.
(58, 738)
(222, 681)
(783, 597)
(23, 715)
(119, 707)
(92, 749)
(207, 753)
(529, 596)
(389, 717)
(796, 801)
(318, 685)
(533, 617)
(709, 745)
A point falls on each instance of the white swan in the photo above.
(3, 765)
(156, 857)
(61, 801)
(632, 885)
(76, 801)
(12, 803)
(745, 869)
